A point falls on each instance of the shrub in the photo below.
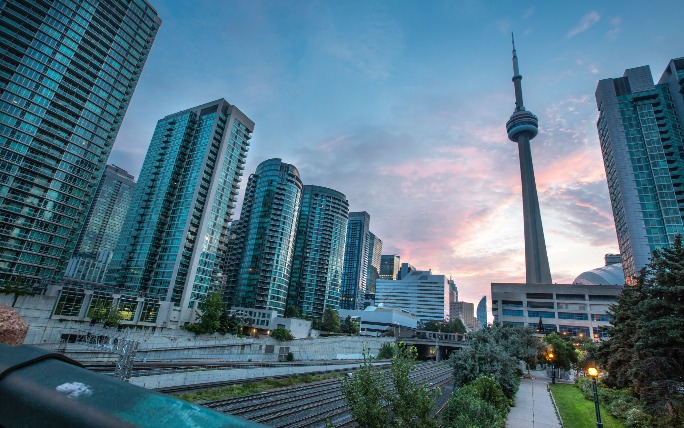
(281, 334)
(490, 391)
(637, 418)
(290, 356)
(466, 410)
(386, 351)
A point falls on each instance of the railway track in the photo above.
(312, 405)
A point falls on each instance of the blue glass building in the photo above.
(640, 129)
(319, 251)
(482, 311)
(102, 226)
(355, 273)
(268, 224)
(67, 73)
(177, 226)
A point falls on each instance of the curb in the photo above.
(553, 400)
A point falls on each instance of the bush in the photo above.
(466, 410)
(290, 356)
(281, 334)
(637, 418)
(490, 391)
(386, 351)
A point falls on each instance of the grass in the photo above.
(577, 411)
(251, 387)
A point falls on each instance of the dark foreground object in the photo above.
(38, 389)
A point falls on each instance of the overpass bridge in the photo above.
(435, 345)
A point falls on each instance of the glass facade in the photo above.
(355, 271)
(269, 220)
(374, 255)
(102, 226)
(67, 73)
(642, 142)
(179, 218)
(319, 251)
(389, 266)
(482, 311)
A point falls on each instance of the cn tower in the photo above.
(522, 127)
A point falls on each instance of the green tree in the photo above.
(282, 334)
(18, 286)
(466, 409)
(210, 311)
(291, 312)
(349, 326)
(564, 353)
(405, 404)
(386, 351)
(410, 403)
(229, 323)
(330, 321)
(646, 348)
(104, 312)
(365, 395)
(495, 351)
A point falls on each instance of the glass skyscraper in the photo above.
(177, 226)
(67, 73)
(319, 251)
(373, 269)
(640, 129)
(389, 266)
(268, 224)
(102, 226)
(482, 311)
(355, 273)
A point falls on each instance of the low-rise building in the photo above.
(377, 321)
(569, 309)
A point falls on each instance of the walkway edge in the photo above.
(555, 407)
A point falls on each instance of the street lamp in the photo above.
(553, 368)
(593, 372)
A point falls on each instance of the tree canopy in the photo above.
(330, 321)
(646, 346)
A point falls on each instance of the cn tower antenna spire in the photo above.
(517, 77)
(522, 127)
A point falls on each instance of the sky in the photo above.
(402, 106)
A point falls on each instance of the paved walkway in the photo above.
(532, 407)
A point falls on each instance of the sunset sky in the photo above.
(402, 105)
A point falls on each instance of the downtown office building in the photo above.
(176, 228)
(642, 142)
(268, 225)
(373, 269)
(102, 227)
(421, 293)
(318, 260)
(355, 273)
(67, 73)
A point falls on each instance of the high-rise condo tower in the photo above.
(68, 70)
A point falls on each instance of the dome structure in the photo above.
(606, 275)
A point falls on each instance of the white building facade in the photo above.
(420, 293)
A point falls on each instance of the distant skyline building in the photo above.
(466, 312)
(420, 293)
(482, 311)
(355, 273)
(318, 260)
(405, 269)
(611, 273)
(67, 75)
(523, 127)
(102, 227)
(642, 142)
(389, 266)
(270, 211)
(374, 256)
(178, 222)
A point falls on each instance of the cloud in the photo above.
(616, 27)
(584, 24)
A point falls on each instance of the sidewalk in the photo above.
(532, 407)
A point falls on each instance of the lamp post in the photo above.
(593, 372)
(553, 368)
